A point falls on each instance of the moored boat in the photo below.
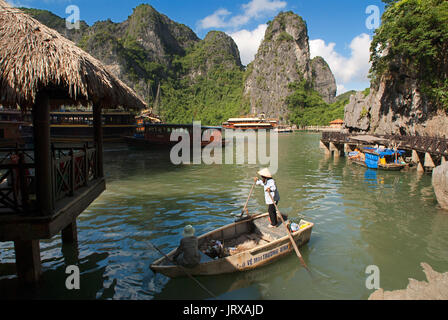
(160, 134)
(248, 244)
(283, 129)
(379, 158)
(250, 123)
(77, 126)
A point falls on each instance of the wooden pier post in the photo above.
(336, 151)
(42, 157)
(326, 148)
(98, 138)
(28, 262)
(347, 148)
(429, 163)
(416, 159)
(70, 234)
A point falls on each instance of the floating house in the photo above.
(43, 190)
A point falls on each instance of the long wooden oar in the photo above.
(185, 271)
(289, 234)
(247, 201)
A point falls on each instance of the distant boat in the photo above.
(159, 134)
(15, 128)
(250, 123)
(283, 129)
(379, 158)
(76, 126)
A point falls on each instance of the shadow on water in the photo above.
(248, 285)
(52, 284)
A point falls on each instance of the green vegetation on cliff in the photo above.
(413, 42)
(207, 85)
(307, 108)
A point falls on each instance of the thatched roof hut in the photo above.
(34, 57)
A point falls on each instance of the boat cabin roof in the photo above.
(178, 126)
(383, 152)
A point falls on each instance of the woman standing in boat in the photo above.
(269, 188)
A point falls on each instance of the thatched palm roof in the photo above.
(34, 57)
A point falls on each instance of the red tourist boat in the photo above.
(159, 134)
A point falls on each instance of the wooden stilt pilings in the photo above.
(98, 138)
(325, 147)
(28, 262)
(429, 163)
(42, 147)
(70, 234)
(427, 152)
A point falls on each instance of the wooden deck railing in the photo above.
(72, 169)
(433, 145)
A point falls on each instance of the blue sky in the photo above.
(337, 29)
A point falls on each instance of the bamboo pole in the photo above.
(296, 249)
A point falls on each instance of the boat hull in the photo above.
(387, 167)
(244, 261)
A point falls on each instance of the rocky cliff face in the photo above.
(159, 36)
(440, 184)
(217, 50)
(283, 58)
(323, 79)
(396, 106)
(139, 50)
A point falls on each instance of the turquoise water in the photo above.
(362, 217)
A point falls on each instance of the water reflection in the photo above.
(361, 217)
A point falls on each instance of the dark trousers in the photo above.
(273, 214)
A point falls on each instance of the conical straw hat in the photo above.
(265, 173)
(188, 231)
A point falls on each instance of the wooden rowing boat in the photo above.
(254, 243)
(385, 167)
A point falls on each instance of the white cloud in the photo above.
(248, 42)
(252, 10)
(341, 89)
(352, 69)
(216, 20)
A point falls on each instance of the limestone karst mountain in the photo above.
(284, 58)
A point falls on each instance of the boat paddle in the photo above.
(296, 249)
(185, 271)
(247, 201)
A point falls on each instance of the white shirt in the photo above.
(274, 192)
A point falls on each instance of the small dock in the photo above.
(425, 152)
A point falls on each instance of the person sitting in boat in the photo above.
(187, 254)
(269, 188)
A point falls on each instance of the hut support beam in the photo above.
(41, 124)
(98, 137)
(28, 262)
(70, 234)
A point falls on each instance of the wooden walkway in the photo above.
(433, 145)
(426, 152)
